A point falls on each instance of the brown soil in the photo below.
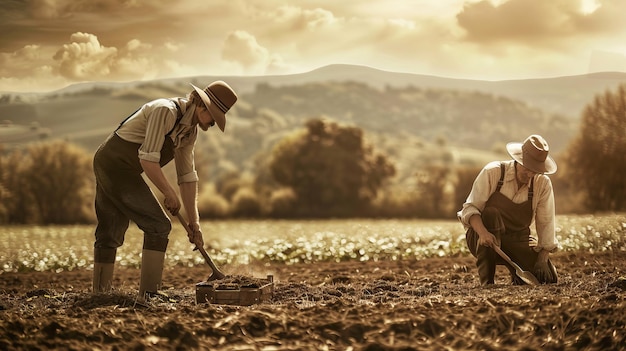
(234, 282)
(433, 304)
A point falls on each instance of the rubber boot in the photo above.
(104, 262)
(102, 277)
(151, 272)
(152, 258)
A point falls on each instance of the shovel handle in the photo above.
(206, 256)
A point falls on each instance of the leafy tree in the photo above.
(465, 179)
(435, 193)
(246, 203)
(330, 168)
(61, 181)
(18, 206)
(211, 204)
(282, 202)
(49, 183)
(4, 192)
(596, 160)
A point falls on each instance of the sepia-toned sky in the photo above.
(49, 44)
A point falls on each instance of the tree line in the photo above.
(324, 169)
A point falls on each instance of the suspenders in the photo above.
(127, 118)
(178, 117)
(501, 181)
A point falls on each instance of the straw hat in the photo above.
(533, 154)
(218, 97)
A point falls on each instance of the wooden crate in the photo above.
(235, 295)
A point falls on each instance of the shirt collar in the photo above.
(509, 174)
(188, 111)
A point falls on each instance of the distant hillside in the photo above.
(461, 118)
(560, 95)
(407, 115)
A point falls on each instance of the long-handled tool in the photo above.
(525, 276)
(216, 274)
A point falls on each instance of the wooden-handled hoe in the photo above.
(216, 274)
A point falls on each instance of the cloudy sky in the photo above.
(49, 44)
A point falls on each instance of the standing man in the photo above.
(506, 198)
(148, 139)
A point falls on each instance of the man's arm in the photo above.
(545, 225)
(482, 188)
(156, 176)
(485, 238)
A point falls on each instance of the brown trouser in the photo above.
(122, 195)
(516, 245)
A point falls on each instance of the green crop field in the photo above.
(59, 248)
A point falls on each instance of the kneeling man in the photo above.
(506, 198)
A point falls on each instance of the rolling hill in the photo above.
(401, 112)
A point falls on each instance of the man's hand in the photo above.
(196, 234)
(485, 238)
(488, 240)
(542, 272)
(155, 174)
(542, 269)
(172, 204)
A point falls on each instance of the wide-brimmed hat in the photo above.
(218, 97)
(533, 154)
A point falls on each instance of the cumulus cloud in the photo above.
(538, 21)
(45, 9)
(313, 37)
(140, 39)
(302, 18)
(243, 48)
(289, 25)
(85, 58)
(173, 47)
(20, 61)
(28, 69)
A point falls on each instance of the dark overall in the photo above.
(510, 223)
(122, 196)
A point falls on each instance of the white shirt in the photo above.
(543, 200)
(149, 127)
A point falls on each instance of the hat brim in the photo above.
(216, 113)
(547, 167)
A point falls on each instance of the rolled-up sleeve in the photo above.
(545, 217)
(481, 190)
(185, 167)
(159, 122)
